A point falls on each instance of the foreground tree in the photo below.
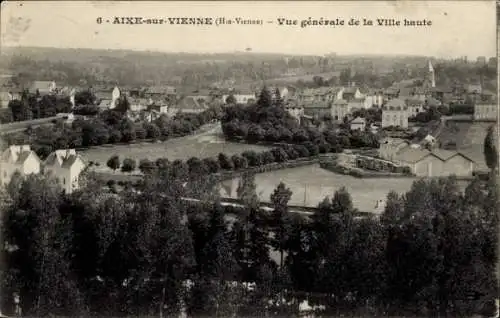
(490, 150)
(280, 218)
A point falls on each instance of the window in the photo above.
(64, 180)
(5, 173)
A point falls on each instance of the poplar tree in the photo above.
(490, 150)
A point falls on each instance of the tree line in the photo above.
(144, 251)
(109, 127)
(201, 166)
(268, 121)
(34, 106)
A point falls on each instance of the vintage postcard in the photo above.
(249, 158)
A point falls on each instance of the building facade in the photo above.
(395, 114)
(358, 124)
(485, 111)
(66, 166)
(340, 109)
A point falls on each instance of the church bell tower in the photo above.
(431, 76)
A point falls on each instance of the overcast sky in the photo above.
(458, 27)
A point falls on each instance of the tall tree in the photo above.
(490, 150)
(280, 198)
(42, 237)
(278, 99)
(265, 98)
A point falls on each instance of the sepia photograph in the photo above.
(249, 159)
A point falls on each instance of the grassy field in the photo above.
(204, 145)
(311, 184)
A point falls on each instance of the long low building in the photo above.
(435, 162)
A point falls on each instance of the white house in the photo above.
(66, 166)
(485, 111)
(18, 158)
(415, 106)
(395, 113)
(358, 124)
(139, 104)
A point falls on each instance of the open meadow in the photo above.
(204, 145)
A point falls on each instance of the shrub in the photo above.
(301, 151)
(279, 154)
(254, 159)
(128, 165)
(239, 162)
(146, 166)
(324, 147)
(212, 165)
(267, 157)
(225, 162)
(113, 162)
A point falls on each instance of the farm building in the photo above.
(435, 163)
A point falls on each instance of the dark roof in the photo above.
(406, 91)
(161, 90)
(433, 102)
(340, 102)
(23, 156)
(413, 155)
(317, 104)
(350, 90)
(358, 120)
(404, 83)
(69, 161)
(414, 102)
(189, 103)
(395, 104)
(391, 90)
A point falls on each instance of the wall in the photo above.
(431, 166)
(395, 118)
(459, 166)
(486, 111)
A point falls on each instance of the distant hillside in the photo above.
(133, 68)
(127, 67)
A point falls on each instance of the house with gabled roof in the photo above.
(351, 93)
(66, 166)
(390, 147)
(156, 92)
(187, 105)
(18, 158)
(358, 123)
